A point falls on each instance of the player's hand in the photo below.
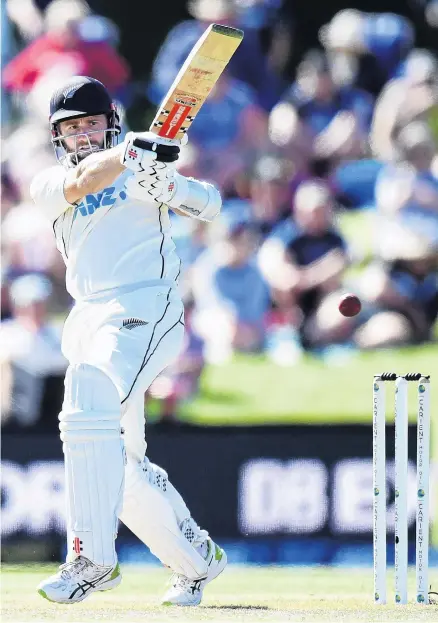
(165, 185)
(143, 149)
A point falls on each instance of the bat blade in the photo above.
(196, 78)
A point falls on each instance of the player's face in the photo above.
(84, 135)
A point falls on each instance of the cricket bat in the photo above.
(196, 78)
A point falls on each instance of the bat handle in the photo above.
(159, 148)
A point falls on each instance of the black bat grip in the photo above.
(165, 153)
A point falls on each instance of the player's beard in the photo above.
(80, 155)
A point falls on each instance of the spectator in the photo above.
(400, 292)
(407, 191)
(273, 21)
(270, 192)
(228, 130)
(400, 287)
(333, 121)
(249, 65)
(410, 96)
(9, 192)
(304, 271)
(64, 48)
(191, 238)
(31, 358)
(354, 183)
(231, 297)
(372, 44)
(25, 150)
(8, 50)
(26, 17)
(28, 244)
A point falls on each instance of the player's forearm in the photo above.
(94, 173)
(201, 201)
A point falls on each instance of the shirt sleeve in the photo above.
(47, 191)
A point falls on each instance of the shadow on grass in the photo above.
(237, 607)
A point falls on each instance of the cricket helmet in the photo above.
(81, 96)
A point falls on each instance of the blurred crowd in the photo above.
(329, 182)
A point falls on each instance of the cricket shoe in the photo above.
(185, 592)
(77, 579)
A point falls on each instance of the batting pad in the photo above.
(94, 462)
(153, 510)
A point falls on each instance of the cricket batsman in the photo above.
(109, 207)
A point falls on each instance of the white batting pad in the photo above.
(153, 510)
(94, 462)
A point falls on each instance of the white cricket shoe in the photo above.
(77, 579)
(185, 592)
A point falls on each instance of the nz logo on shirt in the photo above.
(91, 203)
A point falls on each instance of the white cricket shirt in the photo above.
(107, 240)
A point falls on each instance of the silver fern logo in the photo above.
(132, 323)
(70, 91)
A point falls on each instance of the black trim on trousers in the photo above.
(147, 350)
(149, 345)
(162, 241)
(147, 359)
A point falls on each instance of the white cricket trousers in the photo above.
(128, 337)
(131, 336)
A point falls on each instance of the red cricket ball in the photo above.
(350, 305)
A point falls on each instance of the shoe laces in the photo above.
(182, 582)
(74, 567)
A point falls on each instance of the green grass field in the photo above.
(240, 594)
(252, 390)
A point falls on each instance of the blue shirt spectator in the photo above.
(318, 112)
(306, 248)
(354, 183)
(284, 232)
(378, 42)
(388, 37)
(259, 14)
(419, 218)
(230, 295)
(407, 193)
(219, 121)
(331, 123)
(229, 129)
(244, 288)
